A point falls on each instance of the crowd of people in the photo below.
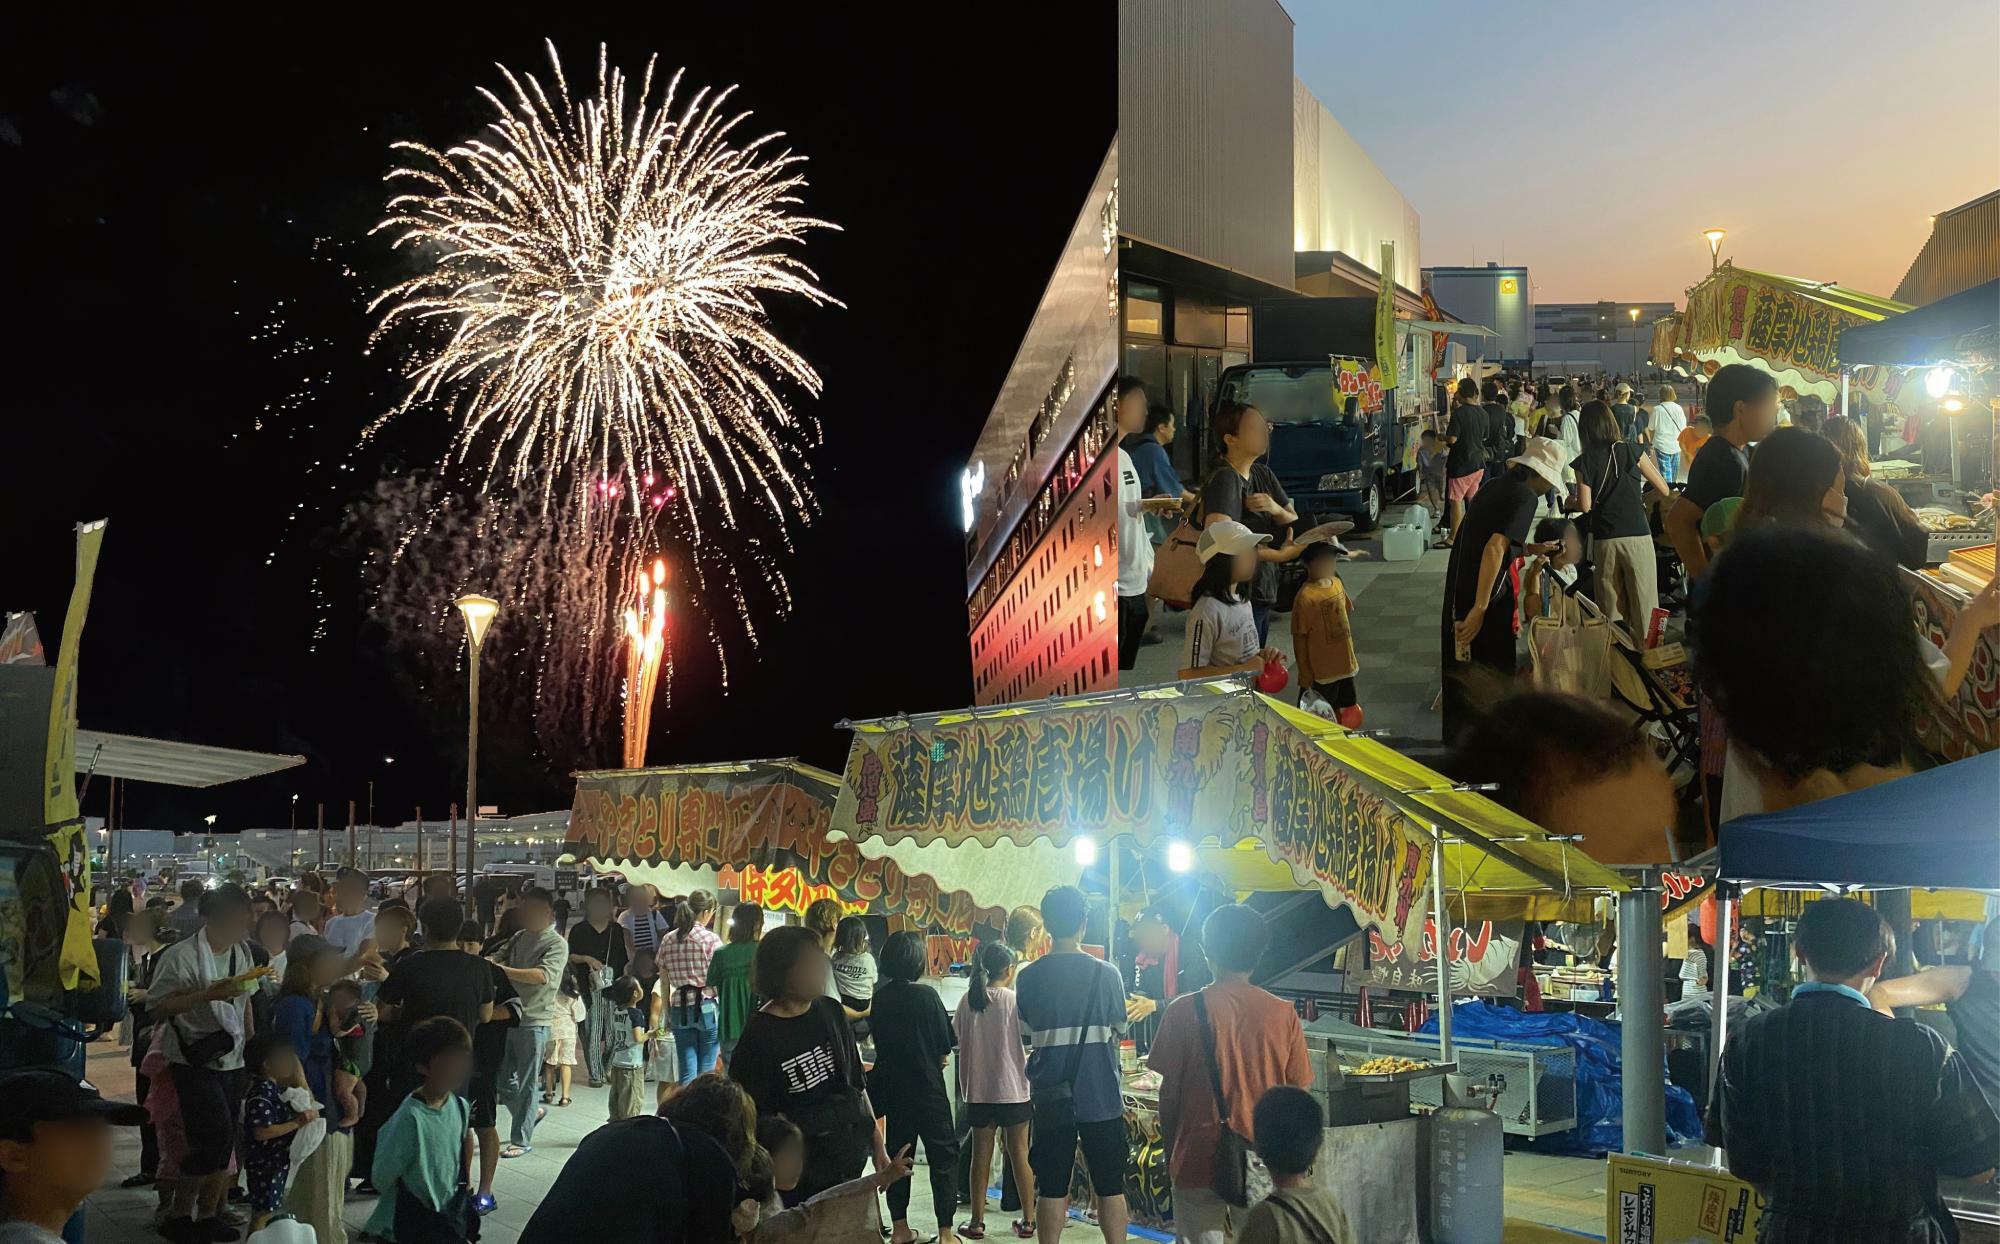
(307, 1046)
(295, 1048)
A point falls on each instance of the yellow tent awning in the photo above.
(1198, 763)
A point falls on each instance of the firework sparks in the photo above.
(589, 308)
(646, 645)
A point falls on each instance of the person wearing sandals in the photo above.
(559, 1066)
(534, 959)
(993, 1081)
(914, 1039)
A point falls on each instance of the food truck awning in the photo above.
(1964, 328)
(1207, 763)
(127, 756)
(762, 825)
(1449, 327)
(1934, 828)
(1779, 324)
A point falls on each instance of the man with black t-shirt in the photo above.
(1499, 427)
(1743, 408)
(1465, 461)
(440, 979)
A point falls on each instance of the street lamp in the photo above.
(387, 760)
(1634, 313)
(295, 832)
(1714, 237)
(478, 612)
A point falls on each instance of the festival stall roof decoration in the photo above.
(762, 825)
(1935, 828)
(1206, 762)
(1779, 324)
(1964, 328)
(169, 763)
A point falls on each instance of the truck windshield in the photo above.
(1284, 394)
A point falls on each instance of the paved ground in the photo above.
(1395, 639)
(1566, 1193)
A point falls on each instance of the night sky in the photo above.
(171, 183)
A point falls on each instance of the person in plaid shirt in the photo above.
(684, 954)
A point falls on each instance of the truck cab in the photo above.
(1336, 444)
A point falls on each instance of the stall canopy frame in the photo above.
(169, 763)
(1488, 850)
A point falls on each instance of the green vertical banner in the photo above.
(1385, 318)
(59, 806)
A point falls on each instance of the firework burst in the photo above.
(589, 313)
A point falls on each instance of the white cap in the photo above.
(1544, 456)
(1227, 536)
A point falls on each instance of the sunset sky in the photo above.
(1594, 142)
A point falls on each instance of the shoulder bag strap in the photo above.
(1309, 1226)
(1208, 1054)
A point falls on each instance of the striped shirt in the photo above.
(1073, 1009)
(1844, 1117)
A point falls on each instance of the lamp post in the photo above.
(387, 760)
(478, 612)
(1634, 313)
(295, 834)
(1714, 237)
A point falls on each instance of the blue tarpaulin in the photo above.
(1600, 1097)
(1940, 828)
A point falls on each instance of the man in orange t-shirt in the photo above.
(1258, 1044)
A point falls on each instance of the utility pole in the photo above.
(420, 839)
(321, 865)
(350, 833)
(454, 840)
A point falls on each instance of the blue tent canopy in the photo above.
(1938, 828)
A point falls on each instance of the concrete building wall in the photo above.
(1341, 201)
(1500, 298)
(1205, 131)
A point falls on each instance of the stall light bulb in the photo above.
(1953, 405)
(1937, 381)
(1180, 857)
(1086, 851)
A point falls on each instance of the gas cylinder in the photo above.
(1468, 1148)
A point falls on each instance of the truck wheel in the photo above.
(1371, 508)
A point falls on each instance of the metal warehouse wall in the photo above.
(1205, 131)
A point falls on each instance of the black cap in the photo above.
(44, 1095)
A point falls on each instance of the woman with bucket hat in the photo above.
(1478, 623)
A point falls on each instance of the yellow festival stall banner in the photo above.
(1385, 319)
(65, 828)
(1785, 326)
(763, 827)
(1167, 766)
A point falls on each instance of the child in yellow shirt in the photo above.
(1322, 639)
